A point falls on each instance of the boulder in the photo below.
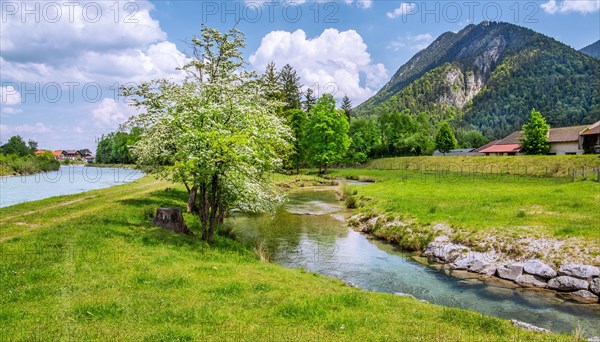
(462, 263)
(566, 283)
(579, 271)
(483, 267)
(538, 268)
(529, 327)
(446, 251)
(510, 272)
(529, 280)
(581, 296)
(595, 286)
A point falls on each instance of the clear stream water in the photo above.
(67, 180)
(309, 232)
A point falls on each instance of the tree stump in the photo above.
(171, 219)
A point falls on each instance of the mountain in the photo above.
(592, 50)
(489, 76)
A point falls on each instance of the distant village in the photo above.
(71, 155)
(571, 140)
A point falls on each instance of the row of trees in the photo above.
(116, 147)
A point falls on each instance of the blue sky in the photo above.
(60, 63)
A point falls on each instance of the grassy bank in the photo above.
(90, 267)
(12, 165)
(575, 166)
(480, 208)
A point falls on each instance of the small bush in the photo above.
(351, 202)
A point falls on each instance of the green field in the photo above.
(90, 267)
(480, 207)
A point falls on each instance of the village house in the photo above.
(563, 140)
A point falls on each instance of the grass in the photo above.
(90, 267)
(572, 166)
(510, 204)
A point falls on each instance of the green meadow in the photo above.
(90, 267)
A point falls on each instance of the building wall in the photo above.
(565, 147)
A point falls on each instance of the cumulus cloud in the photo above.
(571, 6)
(9, 96)
(71, 43)
(413, 42)
(404, 9)
(334, 62)
(110, 114)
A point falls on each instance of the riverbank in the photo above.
(527, 230)
(90, 267)
(11, 165)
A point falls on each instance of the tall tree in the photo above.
(535, 134)
(309, 100)
(444, 139)
(347, 107)
(290, 84)
(326, 135)
(271, 78)
(220, 132)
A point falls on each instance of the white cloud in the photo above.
(569, 6)
(404, 9)
(413, 42)
(5, 111)
(334, 61)
(78, 48)
(6, 131)
(110, 114)
(9, 96)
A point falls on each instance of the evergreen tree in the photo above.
(309, 100)
(347, 107)
(444, 139)
(290, 88)
(271, 79)
(535, 135)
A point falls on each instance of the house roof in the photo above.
(57, 152)
(501, 148)
(491, 143)
(72, 152)
(564, 134)
(511, 139)
(594, 129)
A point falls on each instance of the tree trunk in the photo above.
(171, 219)
(214, 209)
(191, 206)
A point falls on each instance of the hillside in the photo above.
(592, 50)
(489, 76)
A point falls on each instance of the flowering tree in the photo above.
(217, 132)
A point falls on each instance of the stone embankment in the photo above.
(573, 281)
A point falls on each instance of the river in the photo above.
(67, 180)
(309, 232)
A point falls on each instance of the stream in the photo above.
(309, 232)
